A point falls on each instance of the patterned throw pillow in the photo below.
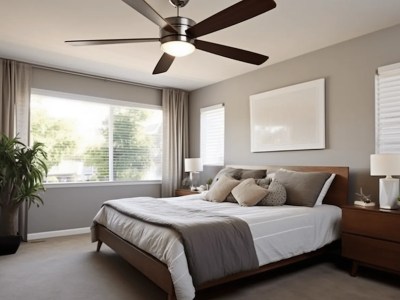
(276, 195)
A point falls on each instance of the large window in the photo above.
(97, 140)
(387, 109)
(212, 142)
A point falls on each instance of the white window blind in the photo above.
(212, 142)
(97, 140)
(387, 109)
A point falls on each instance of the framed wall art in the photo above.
(289, 118)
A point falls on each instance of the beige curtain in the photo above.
(15, 89)
(176, 139)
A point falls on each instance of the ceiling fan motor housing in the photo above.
(181, 24)
(178, 3)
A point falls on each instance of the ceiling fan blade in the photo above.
(230, 52)
(164, 63)
(110, 41)
(232, 15)
(146, 10)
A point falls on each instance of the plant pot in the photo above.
(9, 244)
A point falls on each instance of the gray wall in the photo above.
(75, 207)
(349, 69)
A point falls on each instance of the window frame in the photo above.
(383, 73)
(101, 100)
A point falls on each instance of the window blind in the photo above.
(96, 139)
(387, 109)
(212, 137)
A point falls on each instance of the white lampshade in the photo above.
(178, 48)
(193, 165)
(385, 164)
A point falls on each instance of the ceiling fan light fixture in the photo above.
(178, 48)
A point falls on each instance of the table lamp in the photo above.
(193, 165)
(387, 165)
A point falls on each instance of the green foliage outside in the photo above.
(131, 146)
(56, 135)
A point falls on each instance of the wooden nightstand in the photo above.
(371, 237)
(184, 192)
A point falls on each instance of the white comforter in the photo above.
(279, 232)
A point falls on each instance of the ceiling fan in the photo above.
(178, 35)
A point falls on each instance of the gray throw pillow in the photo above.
(302, 188)
(256, 174)
(230, 172)
(230, 198)
(264, 182)
(276, 195)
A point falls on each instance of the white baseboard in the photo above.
(57, 233)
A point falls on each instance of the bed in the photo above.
(168, 268)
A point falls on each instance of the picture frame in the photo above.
(289, 118)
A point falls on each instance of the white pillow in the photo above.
(324, 190)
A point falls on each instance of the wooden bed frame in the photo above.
(158, 272)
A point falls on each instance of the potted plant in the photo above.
(22, 170)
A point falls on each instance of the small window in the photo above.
(212, 126)
(97, 140)
(387, 109)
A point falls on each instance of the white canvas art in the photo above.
(289, 118)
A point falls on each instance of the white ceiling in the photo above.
(35, 31)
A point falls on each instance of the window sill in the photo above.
(95, 184)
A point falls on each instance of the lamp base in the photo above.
(388, 193)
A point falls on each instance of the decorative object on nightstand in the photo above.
(387, 165)
(186, 183)
(363, 200)
(193, 165)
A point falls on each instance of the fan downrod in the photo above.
(178, 3)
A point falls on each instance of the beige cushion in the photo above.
(276, 195)
(221, 189)
(302, 188)
(248, 193)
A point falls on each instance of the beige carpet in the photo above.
(68, 268)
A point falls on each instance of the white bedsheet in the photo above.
(279, 232)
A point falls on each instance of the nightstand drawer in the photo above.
(372, 223)
(371, 251)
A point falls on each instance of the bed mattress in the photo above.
(279, 232)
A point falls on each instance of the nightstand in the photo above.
(371, 237)
(184, 192)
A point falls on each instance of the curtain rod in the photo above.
(95, 76)
(87, 75)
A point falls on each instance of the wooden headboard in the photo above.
(338, 191)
